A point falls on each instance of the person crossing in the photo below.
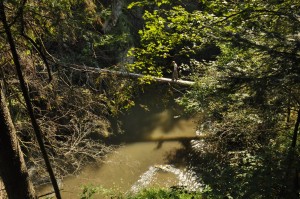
(175, 71)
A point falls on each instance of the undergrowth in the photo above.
(94, 192)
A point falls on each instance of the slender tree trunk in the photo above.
(295, 161)
(296, 128)
(12, 165)
(29, 107)
(292, 162)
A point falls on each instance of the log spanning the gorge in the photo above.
(134, 75)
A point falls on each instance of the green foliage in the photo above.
(243, 56)
(118, 97)
(166, 194)
(90, 191)
(73, 31)
(247, 88)
(171, 32)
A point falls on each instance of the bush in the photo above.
(153, 193)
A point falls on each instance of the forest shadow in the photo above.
(155, 108)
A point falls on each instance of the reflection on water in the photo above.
(138, 153)
(155, 114)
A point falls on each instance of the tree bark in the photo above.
(12, 165)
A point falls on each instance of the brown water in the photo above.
(146, 143)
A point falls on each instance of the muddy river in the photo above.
(151, 129)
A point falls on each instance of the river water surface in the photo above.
(149, 139)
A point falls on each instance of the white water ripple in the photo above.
(187, 179)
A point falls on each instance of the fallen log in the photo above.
(134, 75)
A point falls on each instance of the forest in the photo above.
(77, 75)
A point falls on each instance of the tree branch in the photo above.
(37, 47)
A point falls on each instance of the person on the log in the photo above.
(175, 71)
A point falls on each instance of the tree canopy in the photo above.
(244, 57)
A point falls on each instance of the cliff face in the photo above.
(123, 25)
(116, 11)
(93, 33)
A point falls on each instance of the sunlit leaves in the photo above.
(169, 33)
(143, 3)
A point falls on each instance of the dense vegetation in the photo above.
(243, 56)
(179, 193)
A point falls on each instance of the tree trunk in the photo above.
(29, 107)
(295, 133)
(291, 178)
(12, 166)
